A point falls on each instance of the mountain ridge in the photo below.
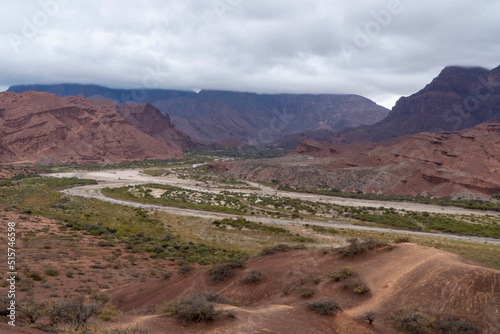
(213, 116)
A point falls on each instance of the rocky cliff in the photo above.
(37, 125)
(458, 98)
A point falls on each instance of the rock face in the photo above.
(37, 125)
(221, 116)
(458, 98)
(462, 163)
(152, 122)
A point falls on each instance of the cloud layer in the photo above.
(380, 49)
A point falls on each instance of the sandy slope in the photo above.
(434, 281)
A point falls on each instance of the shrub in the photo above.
(456, 326)
(369, 316)
(307, 293)
(357, 246)
(167, 275)
(221, 272)
(108, 312)
(412, 321)
(75, 311)
(214, 297)
(253, 276)
(402, 239)
(185, 269)
(36, 277)
(195, 308)
(106, 243)
(360, 288)
(324, 307)
(31, 309)
(231, 313)
(342, 273)
(69, 274)
(51, 271)
(280, 248)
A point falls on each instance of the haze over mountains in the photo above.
(232, 117)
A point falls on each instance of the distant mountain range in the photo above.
(233, 117)
(458, 98)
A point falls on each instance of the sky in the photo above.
(380, 49)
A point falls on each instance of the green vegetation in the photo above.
(140, 230)
(242, 223)
(443, 201)
(177, 197)
(423, 221)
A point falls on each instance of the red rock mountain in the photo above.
(37, 125)
(237, 117)
(463, 163)
(458, 98)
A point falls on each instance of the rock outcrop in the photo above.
(458, 98)
(37, 125)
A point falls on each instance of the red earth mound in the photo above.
(464, 163)
(435, 282)
(38, 125)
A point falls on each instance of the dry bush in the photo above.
(185, 269)
(307, 292)
(75, 311)
(30, 309)
(109, 312)
(324, 307)
(280, 248)
(252, 277)
(359, 246)
(456, 326)
(223, 271)
(194, 308)
(342, 273)
(401, 240)
(410, 320)
(369, 316)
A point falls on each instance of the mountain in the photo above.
(459, 163)
(222, 116)
(36, 125)
(458, 98)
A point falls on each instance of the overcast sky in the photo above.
(381, 49)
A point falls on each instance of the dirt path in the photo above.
(133, 177)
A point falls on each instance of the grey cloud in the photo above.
(263, 46)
